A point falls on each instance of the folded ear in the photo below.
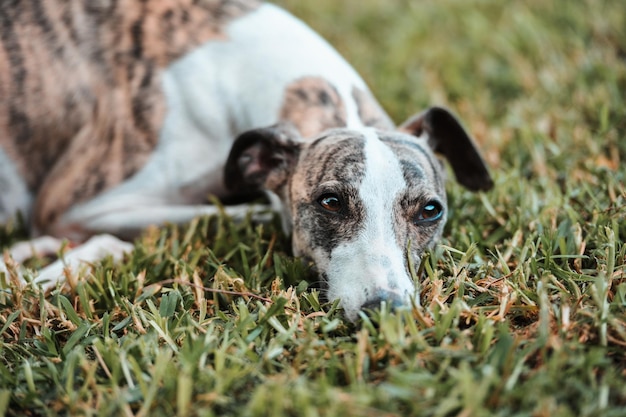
(447, 137)
(262, 159)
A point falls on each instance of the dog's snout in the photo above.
(391, 299)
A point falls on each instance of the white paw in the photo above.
(99, 247)
(40, 246)
(96, 248)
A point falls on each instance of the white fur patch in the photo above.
(213, 94)
(14, 194)
(372, 263)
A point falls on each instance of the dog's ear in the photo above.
(446, 136)
(262, 159)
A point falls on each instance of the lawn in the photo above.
(523, 304)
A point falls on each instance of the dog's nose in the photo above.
(391, 299)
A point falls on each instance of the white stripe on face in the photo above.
(372, 265)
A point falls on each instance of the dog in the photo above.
(117, 115)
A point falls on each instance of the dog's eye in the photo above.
(330, 202)
(431, 211)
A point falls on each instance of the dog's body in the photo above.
(129, 114)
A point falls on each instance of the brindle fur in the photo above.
(331, 164)
(80, 99)
(313, 105)
(335, 163)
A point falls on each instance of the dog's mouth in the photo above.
(375, 300)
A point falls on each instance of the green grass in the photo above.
(523, 304)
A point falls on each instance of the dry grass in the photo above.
(523, 308)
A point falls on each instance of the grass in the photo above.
(523, 305)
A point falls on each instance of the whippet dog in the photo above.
(119, 115)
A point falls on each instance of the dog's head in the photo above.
(361, 204)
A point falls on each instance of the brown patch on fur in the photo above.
(313, 105)
(80, 98)
(336, 163)
(370, 112)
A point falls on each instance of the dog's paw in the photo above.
(100, 246)
(40, 246)
(69, 265)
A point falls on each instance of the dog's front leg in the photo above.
(128, 221)
(70, 263)
(103, 219)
